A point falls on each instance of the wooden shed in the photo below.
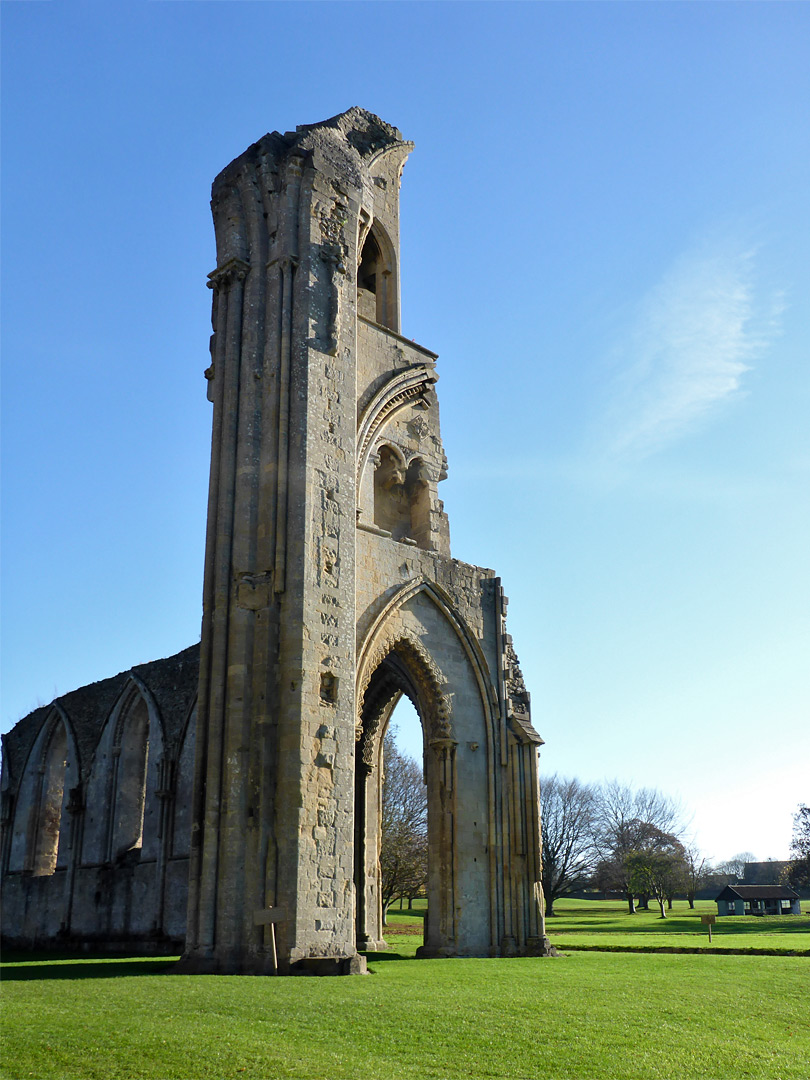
(758, 900)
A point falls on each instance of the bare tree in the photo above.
(697, 871)
(566, 808)
(623, 820)
(799, 869)
(404, 841)
(735, 866)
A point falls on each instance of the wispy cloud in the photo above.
(695, 336)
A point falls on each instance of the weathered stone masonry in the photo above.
(329, 592)
(96, 795)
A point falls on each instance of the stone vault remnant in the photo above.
(329, 592)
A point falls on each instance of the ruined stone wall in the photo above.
(107, 864)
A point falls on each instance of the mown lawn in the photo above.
(585, 1014)
(607, 924)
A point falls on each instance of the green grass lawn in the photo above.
(606, 924)
(611, 1016)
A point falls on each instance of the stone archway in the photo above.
(404, 668)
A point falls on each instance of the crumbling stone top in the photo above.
(171, 681)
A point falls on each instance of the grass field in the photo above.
(606, 924)
(626, 1016)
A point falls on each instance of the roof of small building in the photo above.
(758, 892)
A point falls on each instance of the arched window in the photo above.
(40, 803)
(51, 802)
(376, 280)
(131, 749)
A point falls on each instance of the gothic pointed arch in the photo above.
(122, 815)
(379, 632)
(131, 753)
(398, 392)
(37, 844)
(377, 280)
(400, 665)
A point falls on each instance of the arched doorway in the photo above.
(405, 669)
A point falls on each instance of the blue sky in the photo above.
(605, 237)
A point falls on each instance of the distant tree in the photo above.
(697, 872)
(404, 841)
(566, 810)
(735, 866)
(624, 820)
(799, 869)
(657, 867)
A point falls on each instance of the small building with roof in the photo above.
(758, 900)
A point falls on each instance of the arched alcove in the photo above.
(131, 749)
(402, 497)
(51, 802)
(40, 817)
(376, 279)
(392, 510)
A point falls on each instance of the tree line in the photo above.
(616, 838)
(611, 837)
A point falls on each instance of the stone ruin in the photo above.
(226, 800)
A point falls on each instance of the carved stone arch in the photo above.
(397, 393)
(376, 633)
(56, 716)
(411, 671)
(185, 730)
(135, 753)
(135, 686)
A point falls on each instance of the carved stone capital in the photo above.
(224, 276)
(283, 262)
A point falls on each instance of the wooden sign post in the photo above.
(709, 921)
(269, 917)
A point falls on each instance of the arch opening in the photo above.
(403, 818)
(51, 803)
(131, 751)
(376, 279)
(397, 677)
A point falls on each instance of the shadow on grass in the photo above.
(378, 957)
(18, 967)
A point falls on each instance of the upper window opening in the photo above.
(369, 267)
(376, 280)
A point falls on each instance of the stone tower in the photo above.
(330, 591)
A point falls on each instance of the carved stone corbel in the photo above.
(224, 276)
